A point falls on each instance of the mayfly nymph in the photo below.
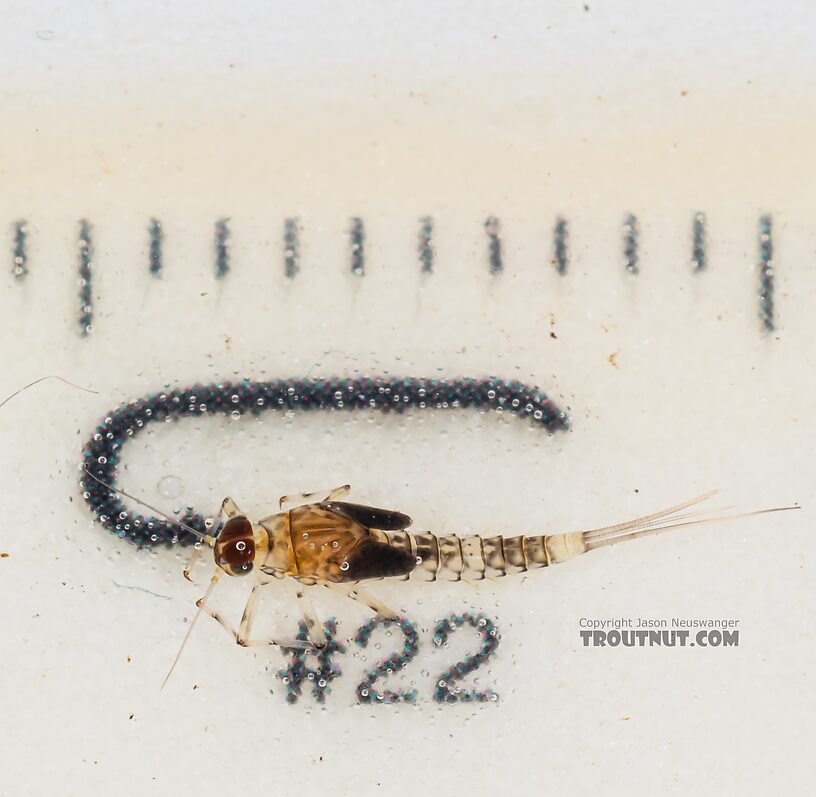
(324, 541)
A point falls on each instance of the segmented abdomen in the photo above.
(470, 558)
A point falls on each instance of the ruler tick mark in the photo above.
(698, 243)
(766, 273)
(19, 253)
(222, 248)
(493, 228)
(426, 251)
(85, 287)
(156, 239)
(357, 235)
(291, 247)
(560, 254)
(630, 244)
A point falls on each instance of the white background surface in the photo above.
(192, 112)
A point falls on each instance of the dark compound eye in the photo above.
(238, 553)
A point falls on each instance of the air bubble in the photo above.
(170, 486)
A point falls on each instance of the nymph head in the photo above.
(234, 547)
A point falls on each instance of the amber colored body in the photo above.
(331, 542)
(337, 545)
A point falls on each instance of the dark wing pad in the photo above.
(372, 559)
(371, 517)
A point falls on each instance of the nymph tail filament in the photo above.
(665, 520)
